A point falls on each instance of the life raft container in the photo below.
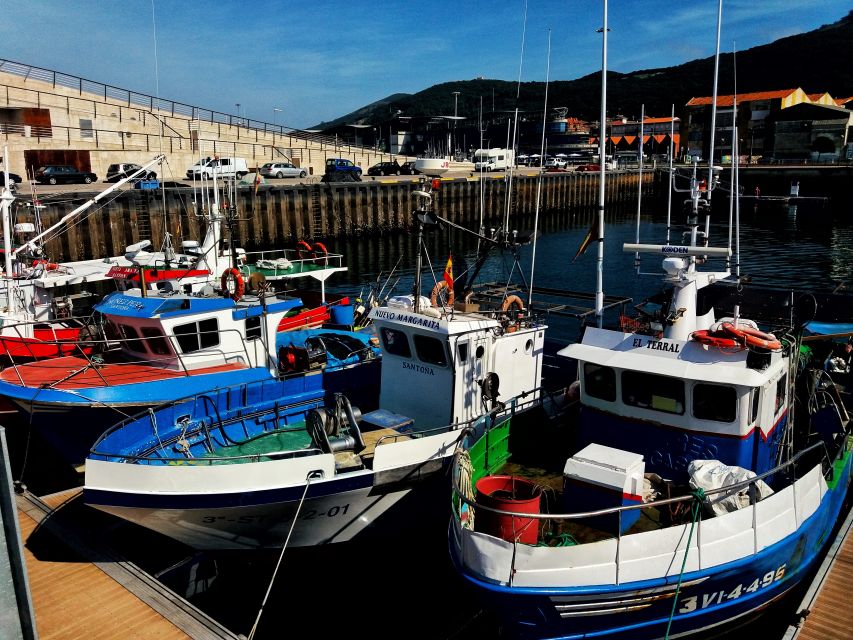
(752, 337)
(436, 292)
(239, 285)
(715, 339)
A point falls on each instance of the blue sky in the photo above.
(318, 60)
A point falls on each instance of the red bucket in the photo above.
(508, 493)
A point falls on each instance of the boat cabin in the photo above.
(434, 364)
(674, 400)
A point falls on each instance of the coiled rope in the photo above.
(698, 498)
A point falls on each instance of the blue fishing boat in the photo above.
(700, 482)
(272, 463)
(164, 346)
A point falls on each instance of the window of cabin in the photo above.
(756, 397)
(599, 382)
(396, 343)
(130, 337)
(462, 350)
(195, 336)
(253, 328)
(650, 391)
(156, 341)
(781, 393)
(714, 402)
(431, 350)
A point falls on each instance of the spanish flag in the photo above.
(448, 271)
(258, 180)
(591, 236)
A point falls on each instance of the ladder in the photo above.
(139, 203)
(316, 212)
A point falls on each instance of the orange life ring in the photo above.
(714, 339)
(436, 290)
(753, 337)
(512, 301)
(321, 253)
(239, 284)
(303, 249)
(48, 266)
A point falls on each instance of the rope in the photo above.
(698, 497)
(280, 558)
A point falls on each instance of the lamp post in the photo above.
(275, 110)
(237, 104)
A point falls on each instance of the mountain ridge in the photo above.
(803, 60)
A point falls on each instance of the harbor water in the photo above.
(403, 586)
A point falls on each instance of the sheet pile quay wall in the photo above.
(278, 216)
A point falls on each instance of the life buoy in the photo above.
(713, 339)
(303, 250)
(753, 337)
(321, 253)
(236, 277)
(436, 291)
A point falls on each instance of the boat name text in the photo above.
(419, 321)
(657, 345)
(419, 368)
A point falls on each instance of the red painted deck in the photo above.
(78, 373)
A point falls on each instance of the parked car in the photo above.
(559, 163)
(391, 168)
(588, 167)
(224, 168)
(14, 179)
(409, 169)
(63, 173)
(116, 172)
(282, 170)
(342, 165)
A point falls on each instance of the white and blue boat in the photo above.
(266, 465)
(700, 483)
(164, 346)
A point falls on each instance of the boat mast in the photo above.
(640, 187)
(6, 199)
(599, 291)
(539, 181)
(710, 182)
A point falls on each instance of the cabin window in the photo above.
(156, 341)
(197, 335)
(396, 343)
(462, 350)
(714, 402)
(130, 337)
(599, 382)
(253, 328)
(781, 393)
(650, 391)
(431, 350)
(756, 396)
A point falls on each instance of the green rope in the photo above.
(698, 497)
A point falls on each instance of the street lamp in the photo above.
(274, 111)
(237, 104)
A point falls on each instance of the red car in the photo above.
(588, 167)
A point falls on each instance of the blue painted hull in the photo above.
(708, 599)
(71, 423)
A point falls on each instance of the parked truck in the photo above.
(493, 159)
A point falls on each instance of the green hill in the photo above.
(817, 61)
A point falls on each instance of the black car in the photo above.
(14, 178)
(409, 169)
(385, 169)
(63, 173)
(116, 172)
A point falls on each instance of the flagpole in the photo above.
(599, 292)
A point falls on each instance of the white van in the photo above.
(224, 167)
(493, 159)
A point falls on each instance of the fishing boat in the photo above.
(162, 346)
(271, 468)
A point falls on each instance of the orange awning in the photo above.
(660, 139)
(630, 139)
(616, 139)
(646, 139)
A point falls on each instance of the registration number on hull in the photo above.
(705, 600)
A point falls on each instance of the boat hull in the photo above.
(707, 600)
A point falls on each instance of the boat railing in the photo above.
(825, 459)
(296, 259)
(155, 351)
(211, 460)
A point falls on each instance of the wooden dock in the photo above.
(825, 612)
(81, 588)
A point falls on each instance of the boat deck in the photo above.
(78, 373)
(81, 588)
(825, 611)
